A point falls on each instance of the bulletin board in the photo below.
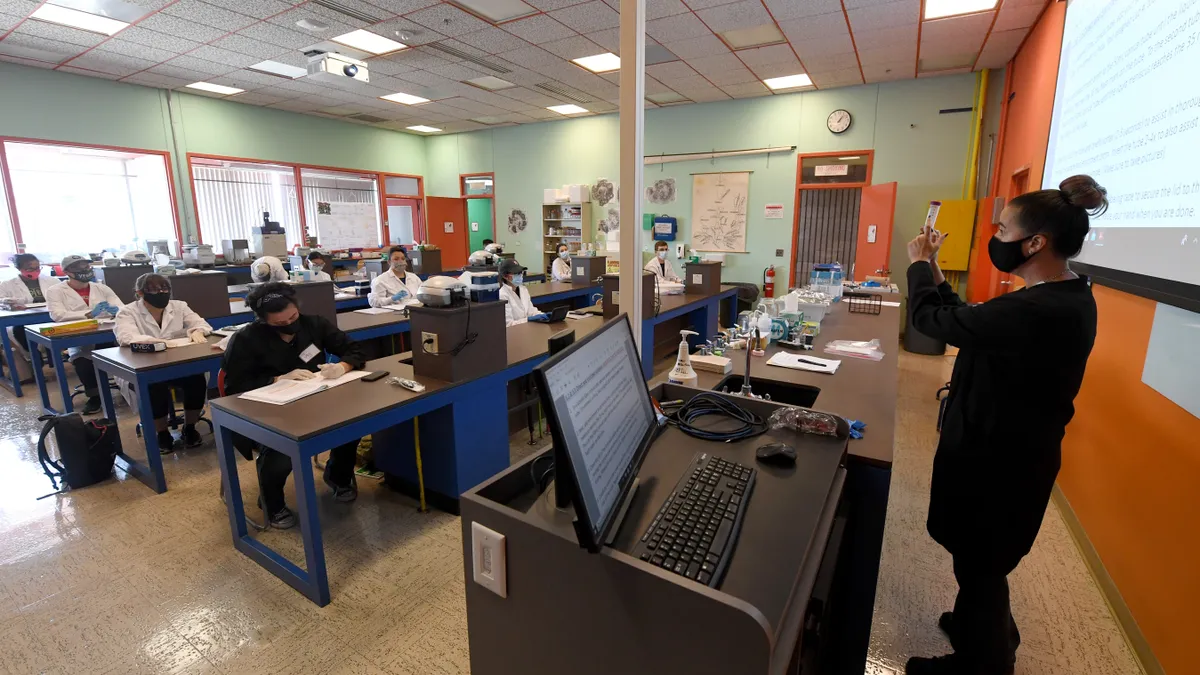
(342, 225)
(719, 211)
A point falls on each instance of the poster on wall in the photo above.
(719, 211)
(773, 211)
(662, 192)
(342, 225)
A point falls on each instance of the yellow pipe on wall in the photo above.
(980, 99)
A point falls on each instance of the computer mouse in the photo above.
(779, 454)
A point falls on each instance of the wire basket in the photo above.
(863, 303)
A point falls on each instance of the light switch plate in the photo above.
(678, 250)
(489, 564)
(871, 230)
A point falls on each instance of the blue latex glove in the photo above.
(102, 309)
(400, 295)
(857, 428)
(540, 317)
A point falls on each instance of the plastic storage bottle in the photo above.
(682, 373)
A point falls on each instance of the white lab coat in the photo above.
(384, 286)
(560, 270)
(135, 323)
(14, 289)
(518, 306)
(320, 275)
(65, 304)
(274, 270)
(662, 269)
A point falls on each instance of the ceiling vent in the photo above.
(460, 54)
(348, 11)
(569, 94)
(364, 117)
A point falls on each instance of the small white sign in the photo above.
(773, 211)
(449, 226)
(579, 271)
(474, 227)
(697, 279)
(871, 230)
(616, 297)
(832, 169)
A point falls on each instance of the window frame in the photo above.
(11, 198)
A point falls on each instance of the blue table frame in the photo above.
(153, 475)
(581, 296)
(55, 346)
(705, 315)
(17, 320)
(351, 304)
(379, 331)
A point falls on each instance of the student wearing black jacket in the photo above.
(283, 344)
(1020, 364)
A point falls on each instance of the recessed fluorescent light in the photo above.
(789, 81)
(423, 129)
(600, 63)
(936, 9)
(368, 42)
(496, 10)
(667, 97)
(281, 69)
(843, 159)
(490, 83)
(216, 88)
(76, 19)
(568, 109)
(406, 99)
(754, 36)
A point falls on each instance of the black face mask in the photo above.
(288, 329)
(88, 275)
(157, 300)
(1007, 255)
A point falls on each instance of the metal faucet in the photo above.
(746, 378)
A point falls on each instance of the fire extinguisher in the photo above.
(769, 282)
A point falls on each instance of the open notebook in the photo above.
(286, 391)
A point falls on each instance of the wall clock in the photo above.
(838, 121)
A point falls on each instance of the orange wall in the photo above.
(1131, 466)
(1131, 458)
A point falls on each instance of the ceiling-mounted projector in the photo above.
(333, 65)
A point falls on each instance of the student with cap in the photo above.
(284, 344)
(267, 268)
(317, 264)
(518, 307)
(659, 265)
(397, 284)
(78, 298)
(561, 269)
(28, 287)
(155, 317)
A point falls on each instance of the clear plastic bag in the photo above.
(808, 422)
(855, 349)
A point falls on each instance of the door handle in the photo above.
(1006, 283)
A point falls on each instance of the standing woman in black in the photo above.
(1020, 364)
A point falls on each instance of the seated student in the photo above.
(519, 306)
(487, 243)
(561, 269)
(659, 265)
(284, 344)
(79, 297)
(267, 268)
(397, 283)
(155, 317)
(318, 264)
(29, 286)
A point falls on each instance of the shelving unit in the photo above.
(567, 223)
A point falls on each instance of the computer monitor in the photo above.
(602, 422)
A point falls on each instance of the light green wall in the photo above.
(923, 151)
(479, 211)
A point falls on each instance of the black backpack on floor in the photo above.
(86, 449)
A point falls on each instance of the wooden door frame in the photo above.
(462, 192)
(870, 154)
(420, 196)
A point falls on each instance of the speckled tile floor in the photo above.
(115, 579)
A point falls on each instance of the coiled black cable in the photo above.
(706, 404)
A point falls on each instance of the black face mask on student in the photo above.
(288, 329)
(157, 300)
(1008, 255)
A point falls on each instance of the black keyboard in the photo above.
(694, 533)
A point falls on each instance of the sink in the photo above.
(780, 392)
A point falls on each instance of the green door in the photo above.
(479, 213)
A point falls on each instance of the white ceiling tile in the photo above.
(678, 27)
(419, 59)
(456, 71)
(573, 47)
(704, 4)
(743, 14)
(784, 10)
(889, 54)
(529, 96)
(135, 50)
(200, 65)
(33, 63)
(746, 90)
(32, 47)
(448, 20)
(824, 61)
(338, 23)
(657, 9)
(714, 63)
(885, 37)
(402, 6)
(144, 36)
(710, 94)
(1016, 16)
(107, 62)
(609, 38)
(276, 35)
(799, 30)
(940, 73)
(732, 76)
(971, 28)
(833, 43)
(550, 5)
(359, 6)
(688, 85)
(259, 9)
(150, 79)
(184, 28)
(782, 69)
(884, 16)
(19, 7)
(884, 72)
(762, 56)
(209, 15)
(493, 40)
(531, 57)
(705, 45)
(7, 21)
(417, 34)
(244, 45)
(50, 31)
(172, 70)
(250, 79)
(538, 29)
(588, 17)
(1000, 48)
(224, 56)
(381, 67)
(668, 73)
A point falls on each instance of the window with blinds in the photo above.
(231, 198)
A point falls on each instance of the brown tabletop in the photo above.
(528, 340)
(35, 327)
(348, 322)
(860, 390)
(543, 288)
(127, 359)
(668, 303)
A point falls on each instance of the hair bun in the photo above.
(1083, 191)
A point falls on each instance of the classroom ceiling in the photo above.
(173, 43)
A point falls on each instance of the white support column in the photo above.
(633, 108)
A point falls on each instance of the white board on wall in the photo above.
(343, 225)
(719, 211)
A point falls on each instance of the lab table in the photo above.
(145, 369)
(362, 326)
(703, 310)
(16, 320)
(54, 346)
(551, 292)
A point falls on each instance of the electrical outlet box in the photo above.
(778, 253)
(488, 562)
(430, 341)
(678, 250)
